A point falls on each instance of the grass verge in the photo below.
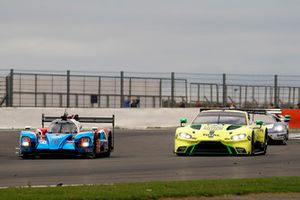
(155, 190)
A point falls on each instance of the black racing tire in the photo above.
(107, 154)
(270, 141)
(110, 145)
(27, 156)
(90, 156)
(252, 145)
(265, 145)
(284, 141)
(181, 154)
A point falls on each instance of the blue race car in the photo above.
(65, 136)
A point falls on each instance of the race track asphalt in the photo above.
(141, 155)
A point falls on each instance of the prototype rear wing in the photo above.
(100, 120)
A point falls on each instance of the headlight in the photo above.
(279, 128)
(185, 135)
(85, 142)
(25, 141)
(238, 137)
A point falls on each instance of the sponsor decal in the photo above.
(213, 127)
(43, 142)
(55, 141)
(210, 135)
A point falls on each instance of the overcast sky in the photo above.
(224, 36)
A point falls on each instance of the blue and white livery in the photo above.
(65, 136)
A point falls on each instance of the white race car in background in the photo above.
(277, 125)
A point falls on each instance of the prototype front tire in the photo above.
(27, 156)
(91, 156)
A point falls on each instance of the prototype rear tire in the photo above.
(107, 154)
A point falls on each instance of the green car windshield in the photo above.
(220, 118)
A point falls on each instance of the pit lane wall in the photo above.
(129, 118)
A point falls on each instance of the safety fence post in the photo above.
(121, 89)
(68, 88)
(10, 89)
(224, 91)
(99, 91)
(186, 92)
(35, 90)
(160, 93)
(172, 89)
(276, 98)
(7, 99)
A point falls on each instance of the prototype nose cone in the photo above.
(56, 141)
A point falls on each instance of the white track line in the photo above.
(58, 185)
(295, 136)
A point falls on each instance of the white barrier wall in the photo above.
(130, 118)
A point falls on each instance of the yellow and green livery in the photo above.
(225, 132)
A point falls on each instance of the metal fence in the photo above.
(147, 90)
(2, 90)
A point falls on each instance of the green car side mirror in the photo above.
(287, 118)
(259, 122)
(183, 120)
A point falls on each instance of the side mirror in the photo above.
(259, 122)
(44, 131)
(287, 118)
(183, 120)
(41, 131)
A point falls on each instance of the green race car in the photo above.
(224, 132)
